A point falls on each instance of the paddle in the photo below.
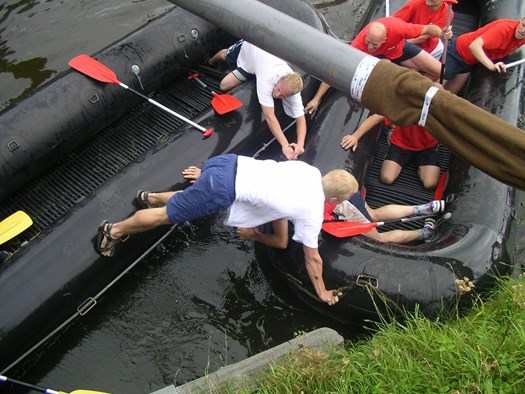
(221, 103)
(349, 229)
(44, 390)
(13, 225)
(96, 70)
(445, 44)
(515, 63)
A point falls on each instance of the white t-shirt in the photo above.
(267, 190)
(268, 69)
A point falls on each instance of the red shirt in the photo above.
(499, 39)
(396, 32)
(416, 11)
(412, 138)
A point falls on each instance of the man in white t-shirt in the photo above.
(255, 192)
(275, 79)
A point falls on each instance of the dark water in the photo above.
(202, 300)
(39, 37)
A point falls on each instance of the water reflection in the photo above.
(33, 71)
(37, 38)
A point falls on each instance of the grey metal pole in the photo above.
(325, 57)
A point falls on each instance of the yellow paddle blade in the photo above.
(80, 391)
(13, 225)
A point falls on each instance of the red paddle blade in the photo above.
(347, 229)
(93, 68)
(224, 103)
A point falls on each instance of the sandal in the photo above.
(143, 199)
(104, 233)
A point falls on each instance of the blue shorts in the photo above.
(232, 54)
(454, 64)
(425, 157)
(214, 190)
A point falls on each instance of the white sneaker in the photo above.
(428, 229)
(430, 223)
(437, 206)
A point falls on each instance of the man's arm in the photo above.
(436, 31)
(350, 140)
(298, 147)
(279, 238)
(419, 39)
(314, 267)
(275, 128)
(476, 47)
(314, 102)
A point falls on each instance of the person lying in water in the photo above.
(355, 209)
(255, 192)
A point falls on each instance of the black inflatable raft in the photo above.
(77, 150)
(379, 280)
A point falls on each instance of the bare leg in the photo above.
(455, 84)
(429, 175)
(390, 170)
(426, 63)
(159, 199)
(279, 238)
(229, 82)
(142, 220)
(218, 57)
(390, 212)
(394, 236)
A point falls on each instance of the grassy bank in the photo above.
(481, 352)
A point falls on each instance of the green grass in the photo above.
(480, 352)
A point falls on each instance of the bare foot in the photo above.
(192, 173)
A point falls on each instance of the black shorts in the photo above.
(232, 54)
(454, 63)
(409, 51)
(426, 157)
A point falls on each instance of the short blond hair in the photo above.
(294, 82)
(339, 184)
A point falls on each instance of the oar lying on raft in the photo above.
(221, 103)
(44, 390)
(96, 70)
(489, 143)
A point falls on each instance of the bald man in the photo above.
(386, 38)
